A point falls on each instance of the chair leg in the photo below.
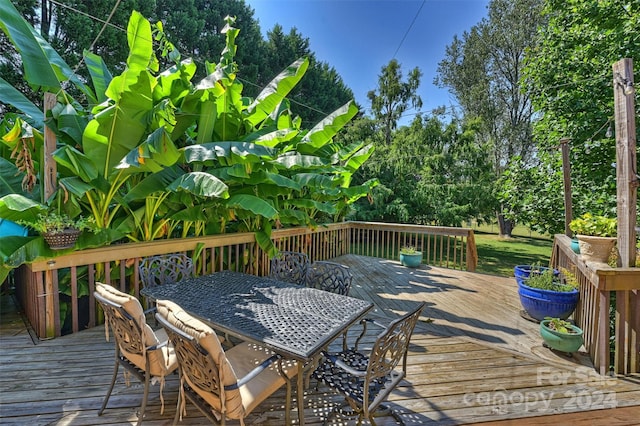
(113, 381)
(147, 380)
(287, 403)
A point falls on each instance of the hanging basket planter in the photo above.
(64, 239)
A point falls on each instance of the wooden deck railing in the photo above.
(453, 248)
(67, 281)
(599, 285)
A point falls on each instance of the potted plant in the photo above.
(59, 230)
(547, 294)
(522, 272)
(561, 335)
(410, 257)
(596, 236)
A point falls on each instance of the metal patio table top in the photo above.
(293, 320)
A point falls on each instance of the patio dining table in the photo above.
(294, 321)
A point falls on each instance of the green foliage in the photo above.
(547, 280)
(560, 325)
(199, 155)
(431, 173)
(580, 43)
(596, 226)
(394, 96)
(54, 222)
(409, 250)
(483, 68)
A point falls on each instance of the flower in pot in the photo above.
(410, 257)
(596, 236)
(59, 230)
(548, 294)
(560, 335)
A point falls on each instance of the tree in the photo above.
(394, 96)
(432, 173)
(10, 61)
(483, 71)
(569, 76)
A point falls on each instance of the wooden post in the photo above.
(51, 296)
(626, 172)
(50, 170)
(566, 172)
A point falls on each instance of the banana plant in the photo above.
(199, 156)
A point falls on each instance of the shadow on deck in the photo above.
(477, 361)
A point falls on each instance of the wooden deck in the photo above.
(478, 361)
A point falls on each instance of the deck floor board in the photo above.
(477, 361)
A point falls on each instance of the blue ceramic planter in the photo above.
(547, 303)
(575, 246)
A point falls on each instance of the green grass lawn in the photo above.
(498, 256)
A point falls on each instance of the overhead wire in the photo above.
(409, 29)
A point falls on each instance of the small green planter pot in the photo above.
(561, 341)
(411, 260)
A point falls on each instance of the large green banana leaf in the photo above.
(271, 138)
(100, 74)
(201, 184)
(67, 124)
(232, 152)
(17, 207)
(153, 155)
(253, 204)
(76, 162)
(271, 96)
(11, 96)
(119, 128)
(323, 132)
(10, 178)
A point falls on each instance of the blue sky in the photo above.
(359, 37)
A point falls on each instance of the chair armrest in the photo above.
(341, 364)
(253, 373)
(157, 346)
(364, 322)
(150, 310)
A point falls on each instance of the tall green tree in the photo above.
(432, 173)
(569, 76)
(484, 70)
(394, 96)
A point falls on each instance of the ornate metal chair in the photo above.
(141, 351)
(209, 375)
(329, 276)
(289, 266)
(367, 379)
(165, 269)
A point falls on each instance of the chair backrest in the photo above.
(165, 269)
(202, 361)
(329, 276)
(133, 335)
(289, 266)
(391, 346)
